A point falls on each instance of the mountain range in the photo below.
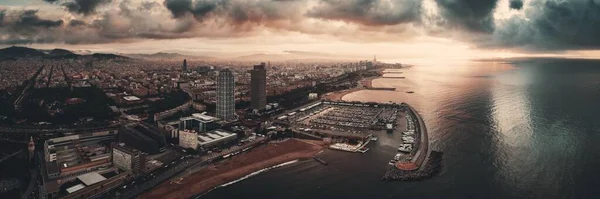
(162, 55)
(17, 52)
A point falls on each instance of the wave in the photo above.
(250, 175)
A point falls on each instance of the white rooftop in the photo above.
(131, 98)
(214, 136)
(75, 188)
(204, 117)
(91, 178)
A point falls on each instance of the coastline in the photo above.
(339, 95)
(226, 171)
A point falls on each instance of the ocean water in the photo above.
(526, 129)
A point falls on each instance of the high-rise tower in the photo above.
(258, 84)
(184, 67)
(31, 148)
(225, 95)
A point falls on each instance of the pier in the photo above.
(381, 88)
(424, 163)
(394, 77)
(423, 148)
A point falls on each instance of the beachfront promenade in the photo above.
(178, 168)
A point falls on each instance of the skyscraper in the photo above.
(258, 84)
(225, 95)
(184, 68)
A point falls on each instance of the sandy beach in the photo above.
(338, 95)
(234, 168)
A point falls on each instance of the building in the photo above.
(75, 155)
(312, 96)
(188, 139)
(184, 68)
(198, 122)
(206, 140)
(31, 148)
(225, 95)
(258, 84)
(143, 137)
(128, 159)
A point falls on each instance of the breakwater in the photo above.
(432, 167)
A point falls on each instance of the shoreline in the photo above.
(366, 84)
(234, 168)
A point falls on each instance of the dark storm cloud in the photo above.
(236, 11)
(554, 25)
(25, 26)
(84, 7)
(471, 15)
(369, 12)
(2, 14)
(179, 8)
(516, 4)
(29, 18)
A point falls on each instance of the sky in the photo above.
(390, 29)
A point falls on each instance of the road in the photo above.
(168, 170)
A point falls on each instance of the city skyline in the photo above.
(391, 29)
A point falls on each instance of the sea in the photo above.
(526, 128)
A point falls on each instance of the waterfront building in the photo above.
(143, 137)
(75, 155)
(188, 139)
(128, 159)
(205, 140)
(225, 95)
(258, 84)
(198, 122)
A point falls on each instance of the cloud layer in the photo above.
(531, 24)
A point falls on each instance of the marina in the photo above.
(348, 126)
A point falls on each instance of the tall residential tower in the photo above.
(225, 95)
(184, 67)
(258, 84)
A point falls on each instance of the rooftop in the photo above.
(213, 136)
(91, 178)
(131, 98)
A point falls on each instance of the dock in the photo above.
(381, 88)
(394, 77)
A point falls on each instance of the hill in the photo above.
(20, 52)
(293, 56)
(162, 55)
(17, 52)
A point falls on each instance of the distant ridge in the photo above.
(163, 55)
(291, 55)
(17, 52)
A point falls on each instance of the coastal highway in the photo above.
(183, 163)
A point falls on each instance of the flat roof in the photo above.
(131, 98)
(204, 138)
(214, 136)
(91, 178)
(204, 117)
(75, 188)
